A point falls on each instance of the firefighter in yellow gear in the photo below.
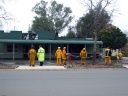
(108, 56)
(32, 56)
(83, 55)
(58, 55)
(64, 56)
(120, 55)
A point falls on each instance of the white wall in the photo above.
(114, 52)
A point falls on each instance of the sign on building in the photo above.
(29, 36)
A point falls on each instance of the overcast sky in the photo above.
(21, 11)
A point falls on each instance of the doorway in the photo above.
(25, 51)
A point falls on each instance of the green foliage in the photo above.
(113, 38)
(94, 20)
(71, 32)
(125, 54)
(52, 18)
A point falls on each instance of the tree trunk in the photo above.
(94, 49)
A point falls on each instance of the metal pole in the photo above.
(85, 46)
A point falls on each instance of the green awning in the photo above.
(49, 41)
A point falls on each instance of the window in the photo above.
(10, 48)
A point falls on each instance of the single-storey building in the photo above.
(16, 44)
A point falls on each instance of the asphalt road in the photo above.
(89, 82)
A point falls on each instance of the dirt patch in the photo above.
(99, 64)
(76, 66)
(6, 66)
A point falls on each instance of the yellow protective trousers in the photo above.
(64, 61)
(108, 60)
(58, 62)
(83, 60)
(32, 61)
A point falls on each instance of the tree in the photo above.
(113, 37)
(98, 8)
(71, 32)
(85, 25)
(53, 18)
(4, 15)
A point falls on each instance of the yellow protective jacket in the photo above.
(120, 55)
(83, 53)
(58, 53)
(32, 53)
(64, 54)
(41, 54)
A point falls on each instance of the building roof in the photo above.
(11, 35)
(18, 35)
(41, 37)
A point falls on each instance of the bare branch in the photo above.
(4, 15)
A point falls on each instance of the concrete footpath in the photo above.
(125, 65)
(25, 67)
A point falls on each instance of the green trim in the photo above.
(49, 41)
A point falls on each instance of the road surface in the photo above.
(89, 82)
